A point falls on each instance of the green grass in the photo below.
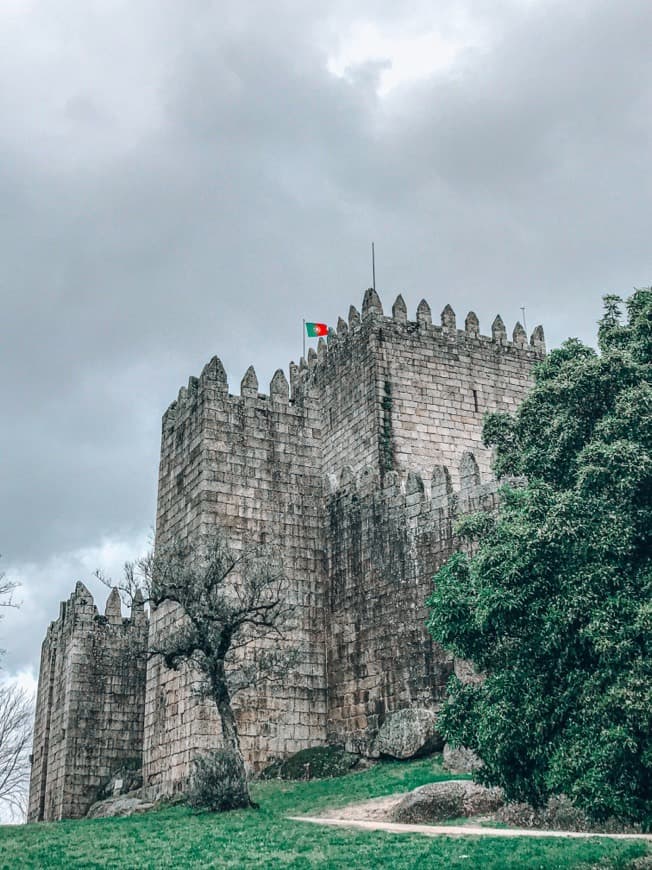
(175, 837)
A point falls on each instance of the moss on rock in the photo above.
(318, 762)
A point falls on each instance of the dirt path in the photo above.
(452, 830)
(376, 810)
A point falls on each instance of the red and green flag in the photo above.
(314, 330)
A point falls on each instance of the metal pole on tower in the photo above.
(303, 333)
(523, 312)
(373, 266)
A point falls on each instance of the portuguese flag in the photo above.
(314, 330)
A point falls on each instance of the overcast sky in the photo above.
(184, 179)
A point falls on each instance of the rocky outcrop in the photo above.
(439, 801)
(408, 733)
(119, 806)
(318, 762)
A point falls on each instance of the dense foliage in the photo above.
(555, 604)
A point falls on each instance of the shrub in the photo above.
(216, 782)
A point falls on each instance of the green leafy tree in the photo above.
(555, 603)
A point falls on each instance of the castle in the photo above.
(357, 468)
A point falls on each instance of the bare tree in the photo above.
(233, 604)
(7, 588)
(16, 714)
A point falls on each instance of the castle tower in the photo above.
(357, 471)
(90, 704)
(249, 463)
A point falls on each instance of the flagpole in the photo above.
(373, 265)
(303, 333)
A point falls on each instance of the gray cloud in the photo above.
(182, 181)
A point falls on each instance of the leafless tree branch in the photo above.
(231, 602)
(7, 588)
(16, 714)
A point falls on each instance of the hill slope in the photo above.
(266, 838)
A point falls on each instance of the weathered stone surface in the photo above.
(90, 704)
(390, 400)
(439, 801)
(460, 759)
(408, 733)
(123, 781)
(118, 806)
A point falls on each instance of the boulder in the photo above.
(408, 733)
(118, 806)
(440, 801)
(317, 762)
(459, 759)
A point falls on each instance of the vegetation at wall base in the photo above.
(265, 838)
(555, 604)
(317, 762)
(216, 782)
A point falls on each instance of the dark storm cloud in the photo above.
(183, 180)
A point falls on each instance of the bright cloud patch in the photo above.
(404, 58)
(43, 585)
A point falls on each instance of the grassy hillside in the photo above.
(175, 837)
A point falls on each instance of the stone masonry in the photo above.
(357, 468)
(90, 704)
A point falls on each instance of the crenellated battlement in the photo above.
(432, 484)
(80, 611)
(356, 329)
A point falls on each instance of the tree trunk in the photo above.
(222, 698)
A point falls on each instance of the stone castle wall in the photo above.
(357, 470)
(385, 542)
(90, 704)
(250, 464)
(383, 401)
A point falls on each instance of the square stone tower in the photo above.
(90, 704)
